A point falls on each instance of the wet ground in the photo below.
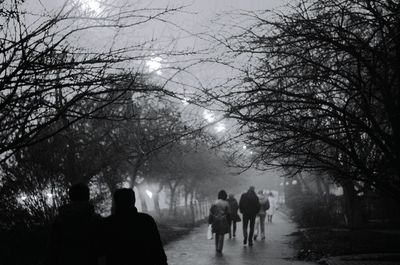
(276, 249)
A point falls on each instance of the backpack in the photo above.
(265, 206)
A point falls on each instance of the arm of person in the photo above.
(159, 256)
(241, 204)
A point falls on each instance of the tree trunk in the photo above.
(142, 198)
(172, 189)
(157, 201)
(352, 205)
(193, 216)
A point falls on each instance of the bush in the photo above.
(310, 210)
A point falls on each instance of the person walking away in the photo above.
(131, 237)
(264, 206)
(273, 206)
(73, 238)
(249, 206)
(219, 215)
(233, 215)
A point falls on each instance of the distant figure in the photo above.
(249, 207)
(273, 206)
(219, 215)
(73, 236)
(131, 237)
(260, 222)
(233, 215)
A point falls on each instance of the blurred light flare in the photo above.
(154, 65)
(208, 116)
(220, 127)
(149, 193)
(91, 5)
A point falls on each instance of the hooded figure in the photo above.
(131, 237)
(73, 236)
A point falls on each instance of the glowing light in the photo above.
(23, 197)
(149, 193)
(294, 182)
(244, 147)
(208, 115)
(220, 127)
(287, 183)
(91, 5)
(49, 195)
(185, 101)
(154, 65)
(281, 184)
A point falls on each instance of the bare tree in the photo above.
(319, 89)
(47, 75)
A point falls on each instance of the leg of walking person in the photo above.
(234, 228)
(252, 220)
(220, 243)
(262, 226)
(245, 224)
(257, 228)
(230, 227)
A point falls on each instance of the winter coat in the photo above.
(249, 204)
(272, 204)
(264, 205)
(219, 214)
(233, 210)
(74, 235)
(133, 238)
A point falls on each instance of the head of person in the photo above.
(271, 194)
(252, 189)
(231, 196)
(79, 192)
(260, 192)
(124, 199)
(222, 195)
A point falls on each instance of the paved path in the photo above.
(195, 249)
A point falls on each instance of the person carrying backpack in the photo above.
(218, 218)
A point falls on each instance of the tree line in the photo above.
(318, 91)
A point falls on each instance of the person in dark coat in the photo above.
(249, 207)
(131, 237)
(73, 238)
(233, 215)
(219, 215)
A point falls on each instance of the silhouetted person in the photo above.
(219, 214)
(75, 229)
(249, 207)
(233, 215)
(131, 237)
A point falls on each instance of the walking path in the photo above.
(195, 249)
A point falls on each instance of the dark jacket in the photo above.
(74, 235)
(249, 204)
(219, 214)
(133, 238)
(234, 207)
